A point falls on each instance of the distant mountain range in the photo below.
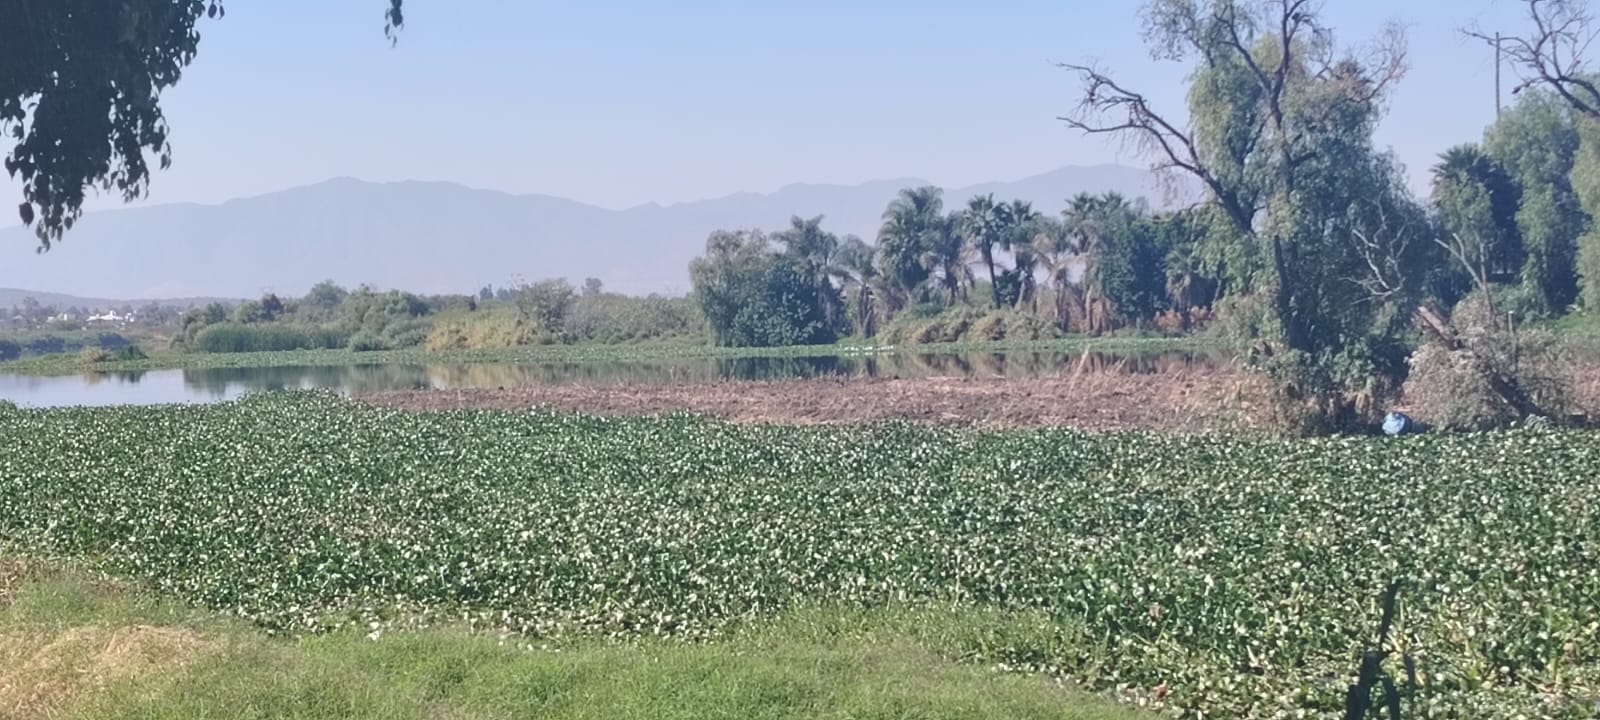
(436, 237)
(13, 297)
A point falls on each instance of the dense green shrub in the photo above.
(365, 341)
(1514, 306)
(264, 337)
(614, 318)
(55, 342)
(1244, 318)
(111, 341)
(47, 345)
(1026, 327)
(131, 353)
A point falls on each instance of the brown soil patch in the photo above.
(1173, 401)
(41, 673)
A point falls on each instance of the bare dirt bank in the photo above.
(1182, 401)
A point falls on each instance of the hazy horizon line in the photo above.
(610, 208)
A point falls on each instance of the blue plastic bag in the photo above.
(1397, 423)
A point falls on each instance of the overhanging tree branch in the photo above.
(1152, 131)
(80, 96)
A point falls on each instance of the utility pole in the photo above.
(1497, 76)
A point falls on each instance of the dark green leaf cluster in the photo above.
(754, 294)
(80, 92)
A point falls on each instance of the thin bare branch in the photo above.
(1382, 247)
(1554, 54)
(1109, 108)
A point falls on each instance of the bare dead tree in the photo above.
(1553, 54)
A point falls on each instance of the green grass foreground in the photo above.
(70, 364)
(1226, 577)
(74, 647)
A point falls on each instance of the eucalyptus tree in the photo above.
(1280, 136)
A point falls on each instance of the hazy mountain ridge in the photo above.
(444, 237)
(13, 297)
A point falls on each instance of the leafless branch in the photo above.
(1108, 108)
(1554, 54)
(1457, 247)
(1382, 247)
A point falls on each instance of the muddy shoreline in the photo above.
(1188, 401)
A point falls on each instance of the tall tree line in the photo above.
(1101, 263)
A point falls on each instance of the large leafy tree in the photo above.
(80, 96)
(1552, 55)
(1280, 135)
(1586, 185)
(543, 307)
(753, 295)
(1536, 141)
(1475, 202)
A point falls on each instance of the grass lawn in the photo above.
(72, 646)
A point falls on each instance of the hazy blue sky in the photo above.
(619, 103)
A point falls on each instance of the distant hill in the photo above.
(440, 237)
(12, 297)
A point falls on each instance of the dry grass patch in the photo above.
(12, 573)
(42, 672)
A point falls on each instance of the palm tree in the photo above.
(1092, 223)
(1024, 243)
(1022, 225)
(946, 256)
(818, 253)
(984, 225)
(1081, 222)
(1056, 254)
(909, 223)
(1183, 268)
(1084, 233)
(861, 275)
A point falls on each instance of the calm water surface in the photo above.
(212, 385)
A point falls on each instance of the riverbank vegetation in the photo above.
(1307, 248)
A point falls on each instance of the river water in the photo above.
(217, 384)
